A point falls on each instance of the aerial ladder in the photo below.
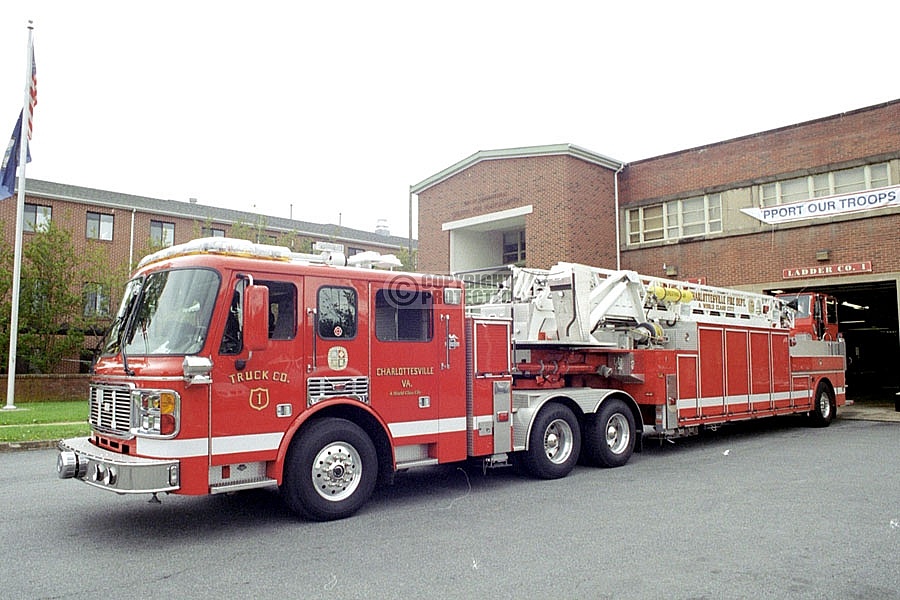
(579, 305)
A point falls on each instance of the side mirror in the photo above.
(256, 317)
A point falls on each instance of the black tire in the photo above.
(554, 443)
(609, 434)
(824, 407)
(330, 470)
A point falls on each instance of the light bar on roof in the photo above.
(222, 246)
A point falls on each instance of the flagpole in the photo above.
(20, 222)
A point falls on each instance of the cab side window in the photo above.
(282, 315)
(337, 313)
(831, 308)
(403, 318)
(282, 310)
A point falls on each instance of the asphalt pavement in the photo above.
(762, 510)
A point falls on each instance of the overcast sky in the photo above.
(329, 111)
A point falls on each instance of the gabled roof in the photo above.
(205, 212)
(529, 151)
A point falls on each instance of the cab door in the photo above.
(254, 394)
(416, 355)
(335, 325)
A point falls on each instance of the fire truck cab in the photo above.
(816, 314)
(233, 365)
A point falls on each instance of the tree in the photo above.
(64, 296)
(103, 285)
(408, 261)
(50, 301)
(294, 241)
(251, 232)
(6, 273)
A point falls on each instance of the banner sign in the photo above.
(328, 247)
(828, 206)
(827, 270)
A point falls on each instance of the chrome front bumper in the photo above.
(119, 473)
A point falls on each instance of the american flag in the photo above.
(32, 92)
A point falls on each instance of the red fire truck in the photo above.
(233, 365)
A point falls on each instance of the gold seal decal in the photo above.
(337, 358)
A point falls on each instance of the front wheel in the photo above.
(330, 470)
(554, 443)
(824, 408)
(609, 434)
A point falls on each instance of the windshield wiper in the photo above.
(129, 323)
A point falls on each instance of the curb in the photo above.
(35, 445)
(884, 416)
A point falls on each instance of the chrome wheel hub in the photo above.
(824, 406)
(618, 435)
(336, 471)
(558, 441)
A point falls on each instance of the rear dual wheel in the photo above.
(554, 443)
(609, 434)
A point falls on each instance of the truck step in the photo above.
(222, 488)
(423, 462)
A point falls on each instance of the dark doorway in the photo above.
(867, 313)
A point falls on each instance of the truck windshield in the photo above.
(802, 302)
(164, 313)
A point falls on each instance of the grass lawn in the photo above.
(34, 421)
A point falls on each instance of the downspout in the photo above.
(618, 228)
(131, 242)
(412, 266)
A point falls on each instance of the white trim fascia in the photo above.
(530, 151)
(488, 218)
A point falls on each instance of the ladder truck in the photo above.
(688, 355)
(232, 365)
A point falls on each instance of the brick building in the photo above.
(127, 227)
(814, 205)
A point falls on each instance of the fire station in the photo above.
(813, 206)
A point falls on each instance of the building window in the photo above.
(513, 247)
(845, 181)
(99, 226)
(162, 234)
(211, 232)
(36, 217)
(96, 300)
(676, 219)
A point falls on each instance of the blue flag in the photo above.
(10, 163)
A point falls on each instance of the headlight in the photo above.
(155, 412)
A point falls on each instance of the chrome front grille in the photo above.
(110, 409)
(322, 388)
